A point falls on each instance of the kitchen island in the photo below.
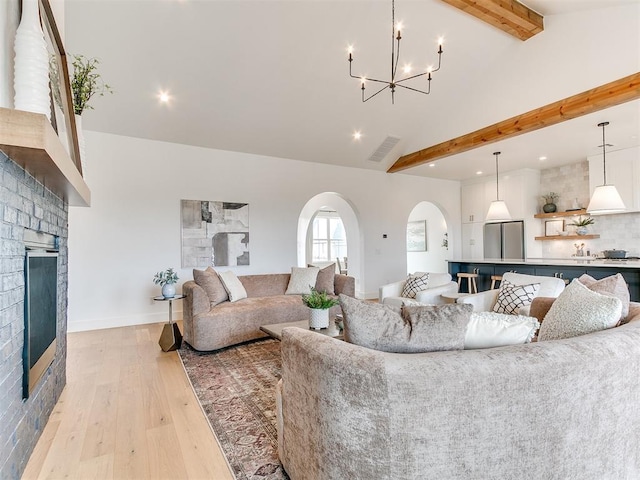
(567, 269)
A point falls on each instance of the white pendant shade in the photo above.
(605, 199)
(498, 212)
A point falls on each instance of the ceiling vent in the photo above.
(383, 150)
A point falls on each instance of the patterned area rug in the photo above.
(236, 388)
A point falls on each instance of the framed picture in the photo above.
(417, 236)
(553, 227)
(62, 117)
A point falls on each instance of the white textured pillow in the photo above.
(578, 311)
(233, 286)
(301, 280)
(511, 297)
(415, 284)
(489, 329)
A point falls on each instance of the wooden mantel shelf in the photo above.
(30, 141)
(570, 213)
(569, 237)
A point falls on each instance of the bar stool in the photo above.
(471, 281)
(494, 279)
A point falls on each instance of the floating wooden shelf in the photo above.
(30, 141)
(561, 214)
(568, 237)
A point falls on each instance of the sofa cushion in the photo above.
(614, 286)
(490, 329)
(233, 286)
(578, 311)
(212, 285)
(415, 284)
(511, 297)
(411, 329)
(325, 281)
(302, 279)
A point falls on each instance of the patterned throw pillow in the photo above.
(415, 284)
(511, 297)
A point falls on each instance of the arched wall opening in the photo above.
(427, 218)
(350, 220)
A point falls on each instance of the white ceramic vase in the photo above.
(31, 66)
(169, 290)
(319, 318)
(81, 144)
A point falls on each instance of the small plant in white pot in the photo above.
(319, 303)
(167, 280)
(582, 223)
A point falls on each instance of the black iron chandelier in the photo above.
(395, 57)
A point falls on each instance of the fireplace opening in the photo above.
(40, 307)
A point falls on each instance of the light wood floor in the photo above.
(127, 412)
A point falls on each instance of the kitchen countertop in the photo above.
(565, 262)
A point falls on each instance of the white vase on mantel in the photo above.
(81, 145)
(31, 64)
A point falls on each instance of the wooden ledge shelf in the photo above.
(572, 213)
(569, 237)
(29, 140)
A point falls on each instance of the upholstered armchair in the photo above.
(484, 301)
(438, 284)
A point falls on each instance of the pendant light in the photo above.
(498, 211)
(605, 198)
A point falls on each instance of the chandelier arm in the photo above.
(415, 89)
(439, 60)
(411, 77)
(604, 156)
(370, 97)
(395, 68)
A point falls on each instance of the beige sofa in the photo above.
(229, 323)
(561, 409)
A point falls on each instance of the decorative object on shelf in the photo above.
(554, 227)
(445, 241)
(550, 202)
(31, 67)
(605, 198)
(498, 211)
(395, 58)
(582, 223)
(319, 303)
(579, 249)
(167, 281)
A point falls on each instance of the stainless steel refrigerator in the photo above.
(504, 240)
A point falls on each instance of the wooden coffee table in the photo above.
(275, 330)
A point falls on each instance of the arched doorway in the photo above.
(336, 206)
(427, 239)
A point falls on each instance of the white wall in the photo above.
(435, 258)
(132, 229)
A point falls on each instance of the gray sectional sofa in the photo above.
(229, 323)
(560, 409)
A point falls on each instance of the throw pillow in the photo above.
(614, 286)
(489, 329)
(301, 280)
(210, 282)
(233, 286)
(326, 279)
(578, 311)
(511, 297)
(408, 330)
(415, 284)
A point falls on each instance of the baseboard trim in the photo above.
(126, 321)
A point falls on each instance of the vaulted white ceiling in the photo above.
(270, 77)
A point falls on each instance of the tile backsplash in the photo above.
(621, 231)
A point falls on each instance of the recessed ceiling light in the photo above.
(357, 135)
(479, 172)
(542, 159)
(432, 164)
(164, 97)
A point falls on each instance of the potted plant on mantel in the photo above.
(319, 303)
(167, 280)
(582, 223)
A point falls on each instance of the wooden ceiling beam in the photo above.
(609, 95)
(508, 15)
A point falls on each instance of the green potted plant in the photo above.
(319, 303)
(167, 280)
(582, 223)
(550, 202)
